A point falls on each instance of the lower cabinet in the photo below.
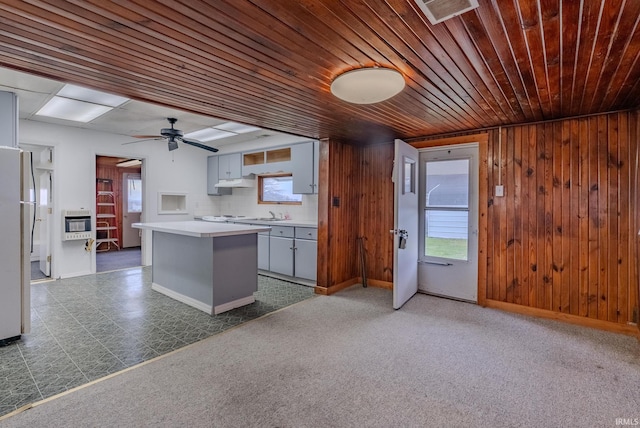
(293, 251)
(306, 259)
(263, 251)
(281, 255)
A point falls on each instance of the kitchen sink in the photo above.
(269, 219)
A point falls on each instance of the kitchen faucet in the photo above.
(273, 215)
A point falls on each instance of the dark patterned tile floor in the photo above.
(88, 327)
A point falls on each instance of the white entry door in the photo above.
(405, 227)
(131, 209)
(449, 222)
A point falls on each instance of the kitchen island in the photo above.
(210, 266)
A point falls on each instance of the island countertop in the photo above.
(201, 229)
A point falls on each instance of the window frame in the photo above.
(426, 208)
(261, 190)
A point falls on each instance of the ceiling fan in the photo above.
(172, 136)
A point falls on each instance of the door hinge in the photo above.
(49, 210)
(48, 259)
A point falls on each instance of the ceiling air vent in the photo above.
(441, 10)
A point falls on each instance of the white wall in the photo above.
(182, 171)
(75, 151)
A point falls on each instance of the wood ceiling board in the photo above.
(615, 71)
(270, 64)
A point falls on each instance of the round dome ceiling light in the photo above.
(367, 85)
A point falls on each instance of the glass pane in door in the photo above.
(447, 183)
(446, 234)
(447, 209)
(134, 193)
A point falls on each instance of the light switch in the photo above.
(499, 190)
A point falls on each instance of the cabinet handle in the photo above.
(309, 233)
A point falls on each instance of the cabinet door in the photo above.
(230, 166)
(235, 165)
(213, 178)
(263, 252)
(302, 167)
(306, 259)
(281, 255)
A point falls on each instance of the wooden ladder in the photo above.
(106, 216)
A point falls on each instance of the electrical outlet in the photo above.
(499, 190)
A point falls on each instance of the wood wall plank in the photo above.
(562, 239)
(338, 219)
(376, 209)
(566, 230)
(570, 190)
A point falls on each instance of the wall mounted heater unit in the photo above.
(441, 10)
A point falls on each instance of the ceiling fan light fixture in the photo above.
(368, 85)
(173, 144)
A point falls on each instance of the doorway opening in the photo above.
(41, 212)
(448, 247)
(119, 195)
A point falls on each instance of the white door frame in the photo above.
(125, 201)
(146, 244)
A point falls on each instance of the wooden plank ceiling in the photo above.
(271, 62)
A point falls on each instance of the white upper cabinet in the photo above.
(230, 166)
(213, 176)
(304, 162)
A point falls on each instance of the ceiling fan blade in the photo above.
(154, 138)
(146, 136)
(198, 144)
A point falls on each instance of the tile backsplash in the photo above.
(244, 202)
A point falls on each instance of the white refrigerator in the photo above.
(15, 226)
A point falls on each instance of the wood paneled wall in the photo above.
(338, 214)
(563, 237)
(360, 177)
(376, 210)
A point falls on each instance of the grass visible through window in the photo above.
(446, 248)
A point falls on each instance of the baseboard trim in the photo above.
(631, 330)
(182, 298)
(233, 304)
(326, 291)
(378, 283)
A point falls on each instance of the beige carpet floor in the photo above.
(349, 360)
